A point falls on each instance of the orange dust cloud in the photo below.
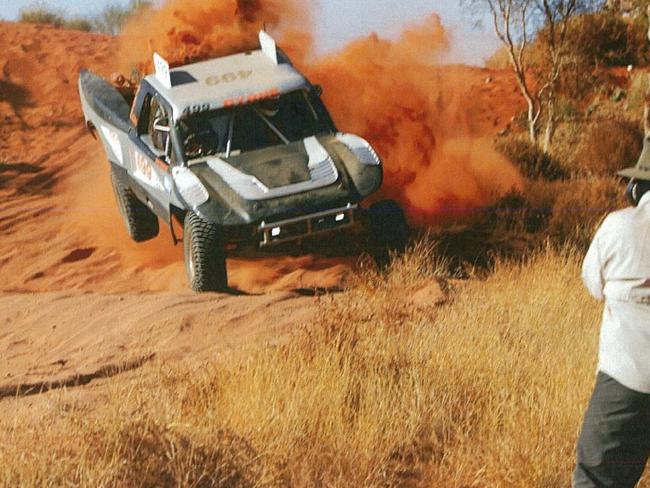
(426, 120)
(90, 192)
(422, 119)
(185, 31)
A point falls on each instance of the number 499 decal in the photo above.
(195, 109)
(145, 172)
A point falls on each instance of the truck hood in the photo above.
(278, 171)
(285, 181)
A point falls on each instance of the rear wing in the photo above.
(104, 100)
(226, 81)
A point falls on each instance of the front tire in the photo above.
(205, 255)
(140, 222)
(389, 231)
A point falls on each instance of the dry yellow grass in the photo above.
(487, 390)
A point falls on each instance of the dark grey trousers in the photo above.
(614, 444)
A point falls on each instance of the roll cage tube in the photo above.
(140, 109)
(174, 149)
(223, 133)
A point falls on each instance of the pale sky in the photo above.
(342, 20)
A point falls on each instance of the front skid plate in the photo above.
(283, 231)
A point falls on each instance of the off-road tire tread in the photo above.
(141, 223)
(210, 273)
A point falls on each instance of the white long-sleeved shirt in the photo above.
(617, 270)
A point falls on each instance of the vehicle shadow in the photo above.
(27, 178)
(17, 97)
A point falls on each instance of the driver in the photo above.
(269, 106)
(199, 138)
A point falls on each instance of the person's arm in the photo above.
(592, 268)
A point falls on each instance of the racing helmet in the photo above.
(269, 106)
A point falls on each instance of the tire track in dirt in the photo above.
(108, 371)
(48, 338)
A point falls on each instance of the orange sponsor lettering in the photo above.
(237, 101)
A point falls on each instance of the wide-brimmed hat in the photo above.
(641, 171)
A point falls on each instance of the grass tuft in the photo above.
(532, 161)
(485, 390)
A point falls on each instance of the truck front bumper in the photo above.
(283, 231)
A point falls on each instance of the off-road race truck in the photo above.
(241, 151)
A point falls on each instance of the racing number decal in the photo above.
(114, 143)
(145, 172)
(195, 109)
(228, 77)
(233, 102)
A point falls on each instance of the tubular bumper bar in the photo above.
(295, 229)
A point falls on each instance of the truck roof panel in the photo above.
(229, 81)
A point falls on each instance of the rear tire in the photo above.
(389, 231)
(205, 255)
(140, 222)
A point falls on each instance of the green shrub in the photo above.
(39, 13)
(532, 161)
(637, 93)
(500, 59)
(609, 146)
(114, 16)
(603, 38)
(595, 42)
(79, 24)
(561, 213)
(638, 41)
(611, 40)
(567, 137)
(580, 206)
(109, 21)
